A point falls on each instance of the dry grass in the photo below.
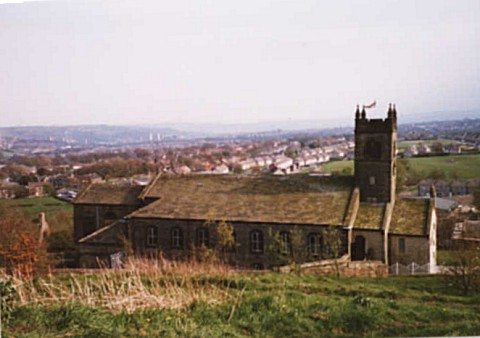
(141, 284)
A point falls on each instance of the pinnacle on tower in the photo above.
(390, 111)
(364, 114)
(357, 112)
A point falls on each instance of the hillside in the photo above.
(193, 302)
(460, 167)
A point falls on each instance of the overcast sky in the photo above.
(125, 62)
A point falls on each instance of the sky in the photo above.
(153, 62)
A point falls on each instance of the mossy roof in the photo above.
(110, 194)
(369, 217)
(410, 217)
(293, 199)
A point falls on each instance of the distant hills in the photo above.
(108, 134)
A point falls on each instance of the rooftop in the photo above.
(410, 217)
(109, 194)
(369, 217)
(293, 199)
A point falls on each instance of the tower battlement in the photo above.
(375, 156)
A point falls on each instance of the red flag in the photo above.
(371, 105)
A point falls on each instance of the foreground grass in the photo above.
(264, 305)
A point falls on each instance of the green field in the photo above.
(455, 166)
(402, 145)
(32, 206)
(59, 214)
(261, 305)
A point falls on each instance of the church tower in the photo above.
(375, 156)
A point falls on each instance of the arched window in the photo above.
(202, 237)
(256, 241)
(285, 242)
(152, 236)
(373, 150)
(177, 238)
(314, 244)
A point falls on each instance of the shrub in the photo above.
(358, 315)
(7, 293)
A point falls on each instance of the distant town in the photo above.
(39, 161)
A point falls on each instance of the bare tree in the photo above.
(332, 247)
(464, 267)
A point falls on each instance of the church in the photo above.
(172, 214)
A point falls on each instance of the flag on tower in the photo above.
(371, 105)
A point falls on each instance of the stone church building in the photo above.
(172, 214)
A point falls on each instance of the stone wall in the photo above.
(416, 249)
(85, 217)
(373, 243)
(243, 255)
(375, 160)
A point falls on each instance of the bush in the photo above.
(358, 315)
(7, 295)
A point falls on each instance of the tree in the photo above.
(225, 239)
(332, 247)
(298, 252)
(287, 248)
(21, 253)
(464, 268)
(273, 249)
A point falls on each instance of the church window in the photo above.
(285, 242)
(177, 238)
(401, 245)
(371, 180)
(152, 236)
(256, 241)
(202, 237)
(314, 244)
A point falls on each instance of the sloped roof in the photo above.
(294, 199)
(410, 217)
(369, 217)
(110, 194)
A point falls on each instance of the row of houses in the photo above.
(422, 149)
(448, 188)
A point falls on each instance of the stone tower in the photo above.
(375, 160)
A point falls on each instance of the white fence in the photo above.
(412, 269)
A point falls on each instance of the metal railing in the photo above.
(412, 269)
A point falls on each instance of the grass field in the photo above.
(458, 166)
(219, 304)
(59, 213)
(33, 206)
(402, 145)
(455, 167)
